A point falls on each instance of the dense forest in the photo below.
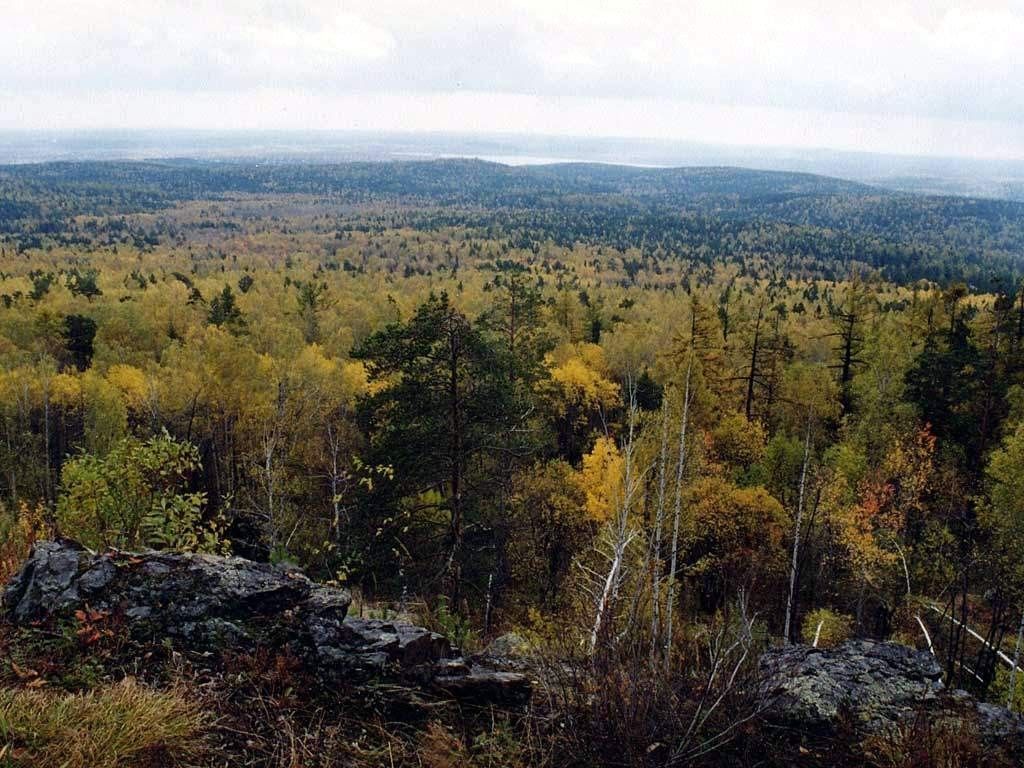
(616, 411)
(804, 225)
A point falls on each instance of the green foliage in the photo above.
(41, 283)
(443, 407)
(224, 311)
(999, 693)
(829, 628)
(311, 303)
(353, 417)
(135, 495)
(1002, 515)
(84, 283)
(551, 530)
(801, 222)
(783, 460)
(453, 626)
(79, 335)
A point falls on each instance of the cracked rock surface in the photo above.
(875, 687)
(205, 602)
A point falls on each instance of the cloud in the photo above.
(100, 45)
(926, 59)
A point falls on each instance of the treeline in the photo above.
(827, 225)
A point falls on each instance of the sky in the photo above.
(912, 77)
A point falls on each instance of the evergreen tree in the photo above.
(443, 399)
(224, 311)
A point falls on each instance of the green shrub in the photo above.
(1000, 688)
(135, 495)
(834, 628)
(456, 628)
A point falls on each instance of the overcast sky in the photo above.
(921, 77)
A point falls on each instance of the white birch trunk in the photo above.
(677, 512)
(621, 536)
(796, 534)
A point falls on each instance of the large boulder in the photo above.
(205, 602)
(874, 688)
(876, 683)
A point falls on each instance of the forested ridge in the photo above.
(652, 422)
(697, 213)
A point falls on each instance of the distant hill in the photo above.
(719, 212)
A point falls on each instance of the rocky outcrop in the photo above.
(204, 602)
(874, 688)
(877, 683)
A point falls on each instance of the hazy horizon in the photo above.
(917, 173)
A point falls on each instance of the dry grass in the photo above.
(19, 530)
(116, 726)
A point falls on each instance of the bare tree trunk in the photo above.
(796, 534)
(1016, 659)
(659, 522)
(748, 406)
(677, 512)
(621, 536)
(46, 440)
(336, 479)
(454, 566)
(487, 608)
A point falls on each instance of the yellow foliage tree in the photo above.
(733, 535)
(601, 477)
(581, 391)
(131, 383)
(580, 372)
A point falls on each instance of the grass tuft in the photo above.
(116, 726)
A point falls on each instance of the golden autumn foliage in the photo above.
(738, 442)
(518, 485)
(580, 374)
(131, 383)
(732, 531)
(554, 525)
(872, 511)
(66, 390)
(602, 477)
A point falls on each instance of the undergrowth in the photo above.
(125, 725)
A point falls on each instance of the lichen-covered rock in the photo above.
(204, 602)
(507, 646)
(508, 653)
(874, 682)
(875, 687)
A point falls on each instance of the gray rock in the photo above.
(484, 685)
(876, 683)
(875, 687)
(206, 602)
(999, 727)
(508, 653)
(508, 645)
(47, 582)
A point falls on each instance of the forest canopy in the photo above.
(607, 408)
